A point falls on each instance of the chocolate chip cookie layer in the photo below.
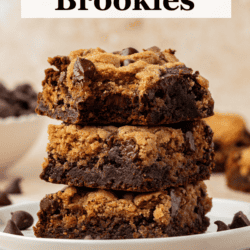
(127, 88)
(129, 158)
(81, 213)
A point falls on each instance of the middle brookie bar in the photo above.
(129, 158)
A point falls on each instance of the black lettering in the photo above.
(117, 4)
(141, 2)
(157, 5)
(61, 5)
(83, 5)
(108, 5)
(187, 2)
(166, 4)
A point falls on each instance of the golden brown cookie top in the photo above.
(227, 127)
(128, 72)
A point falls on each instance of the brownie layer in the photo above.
(230, 134)
(238, 170)
(129, 158)
(146, 88)
(76, 213)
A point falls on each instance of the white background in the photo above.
(202, 9)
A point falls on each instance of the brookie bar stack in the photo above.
(133, 148)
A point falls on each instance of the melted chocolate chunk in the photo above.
(83, 68)
(127, 62)
(14, 187)
(190, 138)
(11, 228)
(175, 202)
(4, 200)
(129, 51)
(22, 219)
(239, 220)
(221, 226)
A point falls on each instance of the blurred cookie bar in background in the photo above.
(238, 170)
(230, 133)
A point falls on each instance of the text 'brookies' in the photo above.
(123, 5)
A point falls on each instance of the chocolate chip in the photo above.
(88, 237)
(116, 52)
(22, 219)
(127, 62)
(14, 187)
(221, 226)
(129, 51)
(3, 91)
(5, 109)
(24, 88)
(175, 203)
(154, 49)
(48, 205)
(190, 138)
(4, 200)
(11, 228)
(239, 220)
(83, 68)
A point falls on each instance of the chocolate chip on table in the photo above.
(127, 62)
(4, 200)
(221, 226)
(14, 187)
(11, 228)
(239, 220)
(83, 68)
(22, 219)
(128, 51)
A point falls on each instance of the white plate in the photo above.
(224, 210)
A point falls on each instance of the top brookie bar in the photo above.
(127, 87)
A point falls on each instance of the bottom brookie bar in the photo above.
(83, 213)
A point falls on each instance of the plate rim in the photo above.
(134, 241)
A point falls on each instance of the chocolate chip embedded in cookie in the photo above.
(125, 87)
(101, 214)
(129, 158)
